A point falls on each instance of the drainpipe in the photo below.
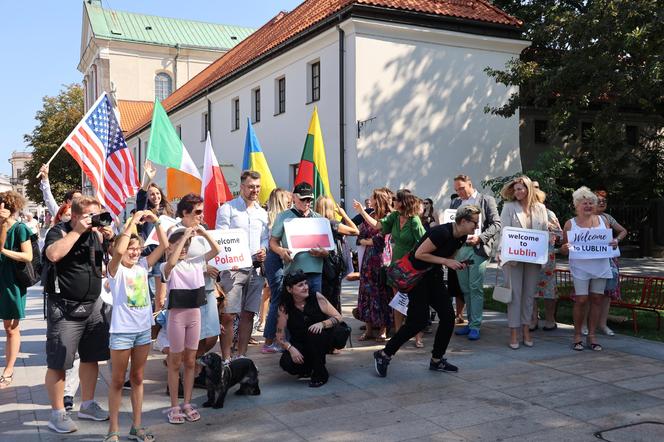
(175, 65)
(342, 128)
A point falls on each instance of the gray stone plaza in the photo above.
(544, 393)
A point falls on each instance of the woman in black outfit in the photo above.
(310, 320)
(436, 247)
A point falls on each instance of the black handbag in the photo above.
(334, 264)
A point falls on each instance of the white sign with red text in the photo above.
(524, 245)
(235, 251)
(449, 216)
(304, 234)
(591, 244)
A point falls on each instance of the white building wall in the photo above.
(281, 136)
(427, 90)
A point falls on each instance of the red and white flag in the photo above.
(98, 146)
(215, 190)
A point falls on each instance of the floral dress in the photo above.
(374, 295)
(546, 286)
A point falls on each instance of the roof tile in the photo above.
(132, 112)
(287, 25)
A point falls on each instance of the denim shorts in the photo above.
(127, 341)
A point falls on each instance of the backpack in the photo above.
(29, 273)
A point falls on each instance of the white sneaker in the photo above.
(607, 331)
(584, 330)
(62, 423)
(93, 412)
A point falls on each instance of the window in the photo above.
(294, 168)
(19, 172)
(178, 129)
(256, 105)
(281, 96)
(586, 132)
(235, 114)
(314, 81)
(631, 135)
(163, 86)
(541, 126)
(205, 125)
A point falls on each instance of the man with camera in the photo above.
(476, 252)
(76, 318)
(244, 287)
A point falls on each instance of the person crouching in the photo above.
(311, 321)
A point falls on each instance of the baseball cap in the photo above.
(303, 191)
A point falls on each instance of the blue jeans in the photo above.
(274, 272)
(315, 281)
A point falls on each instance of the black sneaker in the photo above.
(126, 385)
(381, 361)
(69, 403)
(443, 365)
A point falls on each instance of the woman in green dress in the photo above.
(16, 247)
(405, 229)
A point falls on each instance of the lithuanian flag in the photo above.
(313, 167)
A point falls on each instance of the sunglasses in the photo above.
(197, 212)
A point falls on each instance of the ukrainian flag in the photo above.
(254, 159)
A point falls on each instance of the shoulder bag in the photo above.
(501, 293)
(403, 275)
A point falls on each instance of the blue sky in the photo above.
(41, 44)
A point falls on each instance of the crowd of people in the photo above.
(107, 294)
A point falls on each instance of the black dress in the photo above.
(313, 346)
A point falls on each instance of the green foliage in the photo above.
(554, 173)
(55, 121)
(595, 61)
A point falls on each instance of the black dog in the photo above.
(219, 378)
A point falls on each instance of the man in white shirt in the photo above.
(244, 286)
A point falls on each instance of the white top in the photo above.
(132, 309)
(585, 269)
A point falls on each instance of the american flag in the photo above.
(99, 147)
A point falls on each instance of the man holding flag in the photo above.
(244, 286)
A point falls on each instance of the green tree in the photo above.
(596, 60)
(55, 121)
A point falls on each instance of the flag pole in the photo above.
(75, 128)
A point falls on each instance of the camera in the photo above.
(103, 219)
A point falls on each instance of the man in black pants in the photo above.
(434, 250)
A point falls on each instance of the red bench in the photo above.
(645, 293)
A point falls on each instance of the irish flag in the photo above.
(254, 159)
(313, 167)
(166, 148)
(215, 189)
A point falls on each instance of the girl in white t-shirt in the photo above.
(131, 321)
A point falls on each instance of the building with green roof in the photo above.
(141, 57)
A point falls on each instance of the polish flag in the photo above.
(215, 190)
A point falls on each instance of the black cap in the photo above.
(304, 191)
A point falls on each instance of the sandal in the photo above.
(381, 339)
(317, 383)
(140, 434)
(175, 415)
(253, 341)
(596, 347)
(577, 346)
(6, 381)
(419, 344)
(190, 413)
(365, 337)
(112, 437)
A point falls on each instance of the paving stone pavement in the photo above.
(544, 393)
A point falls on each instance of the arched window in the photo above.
(163, 86)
